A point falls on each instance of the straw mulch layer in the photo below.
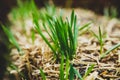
(38, 55)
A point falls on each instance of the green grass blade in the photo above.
(71, 72)
(62, 68)
(74, 71)
(48, 32)
(35, 20)
(67, 68)
(42, 74)
(100, 40)
(89, 70)
(75, 33)
(100, 36)
(11, 38)
(95, 35)
(72, 18)
(84, 26)
(44, 38)
(109, 50)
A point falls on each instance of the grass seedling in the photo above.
(62, 33)
(11, 38)
(100, 39)
(88, 71)
(109, 50)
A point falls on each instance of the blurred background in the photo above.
(98, 6)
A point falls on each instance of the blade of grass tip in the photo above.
(42, 74)
(109, 50)
(84, 26)
(95, 35)
(11, 38)
(72, 18)
(62, 68)
(100, 35)
(75, 32)
(89, 70)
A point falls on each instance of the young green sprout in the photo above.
(100, 39)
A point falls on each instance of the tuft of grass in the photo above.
(109, 50)
(62, 33)
(111, 12)
(100, 39)
(23, 9)
(12, 38)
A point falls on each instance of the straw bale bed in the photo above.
(38, 55)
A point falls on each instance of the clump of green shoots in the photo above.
(100, 37)
(63, 35)
(111, 12)
(101, 41)
(23, 9)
